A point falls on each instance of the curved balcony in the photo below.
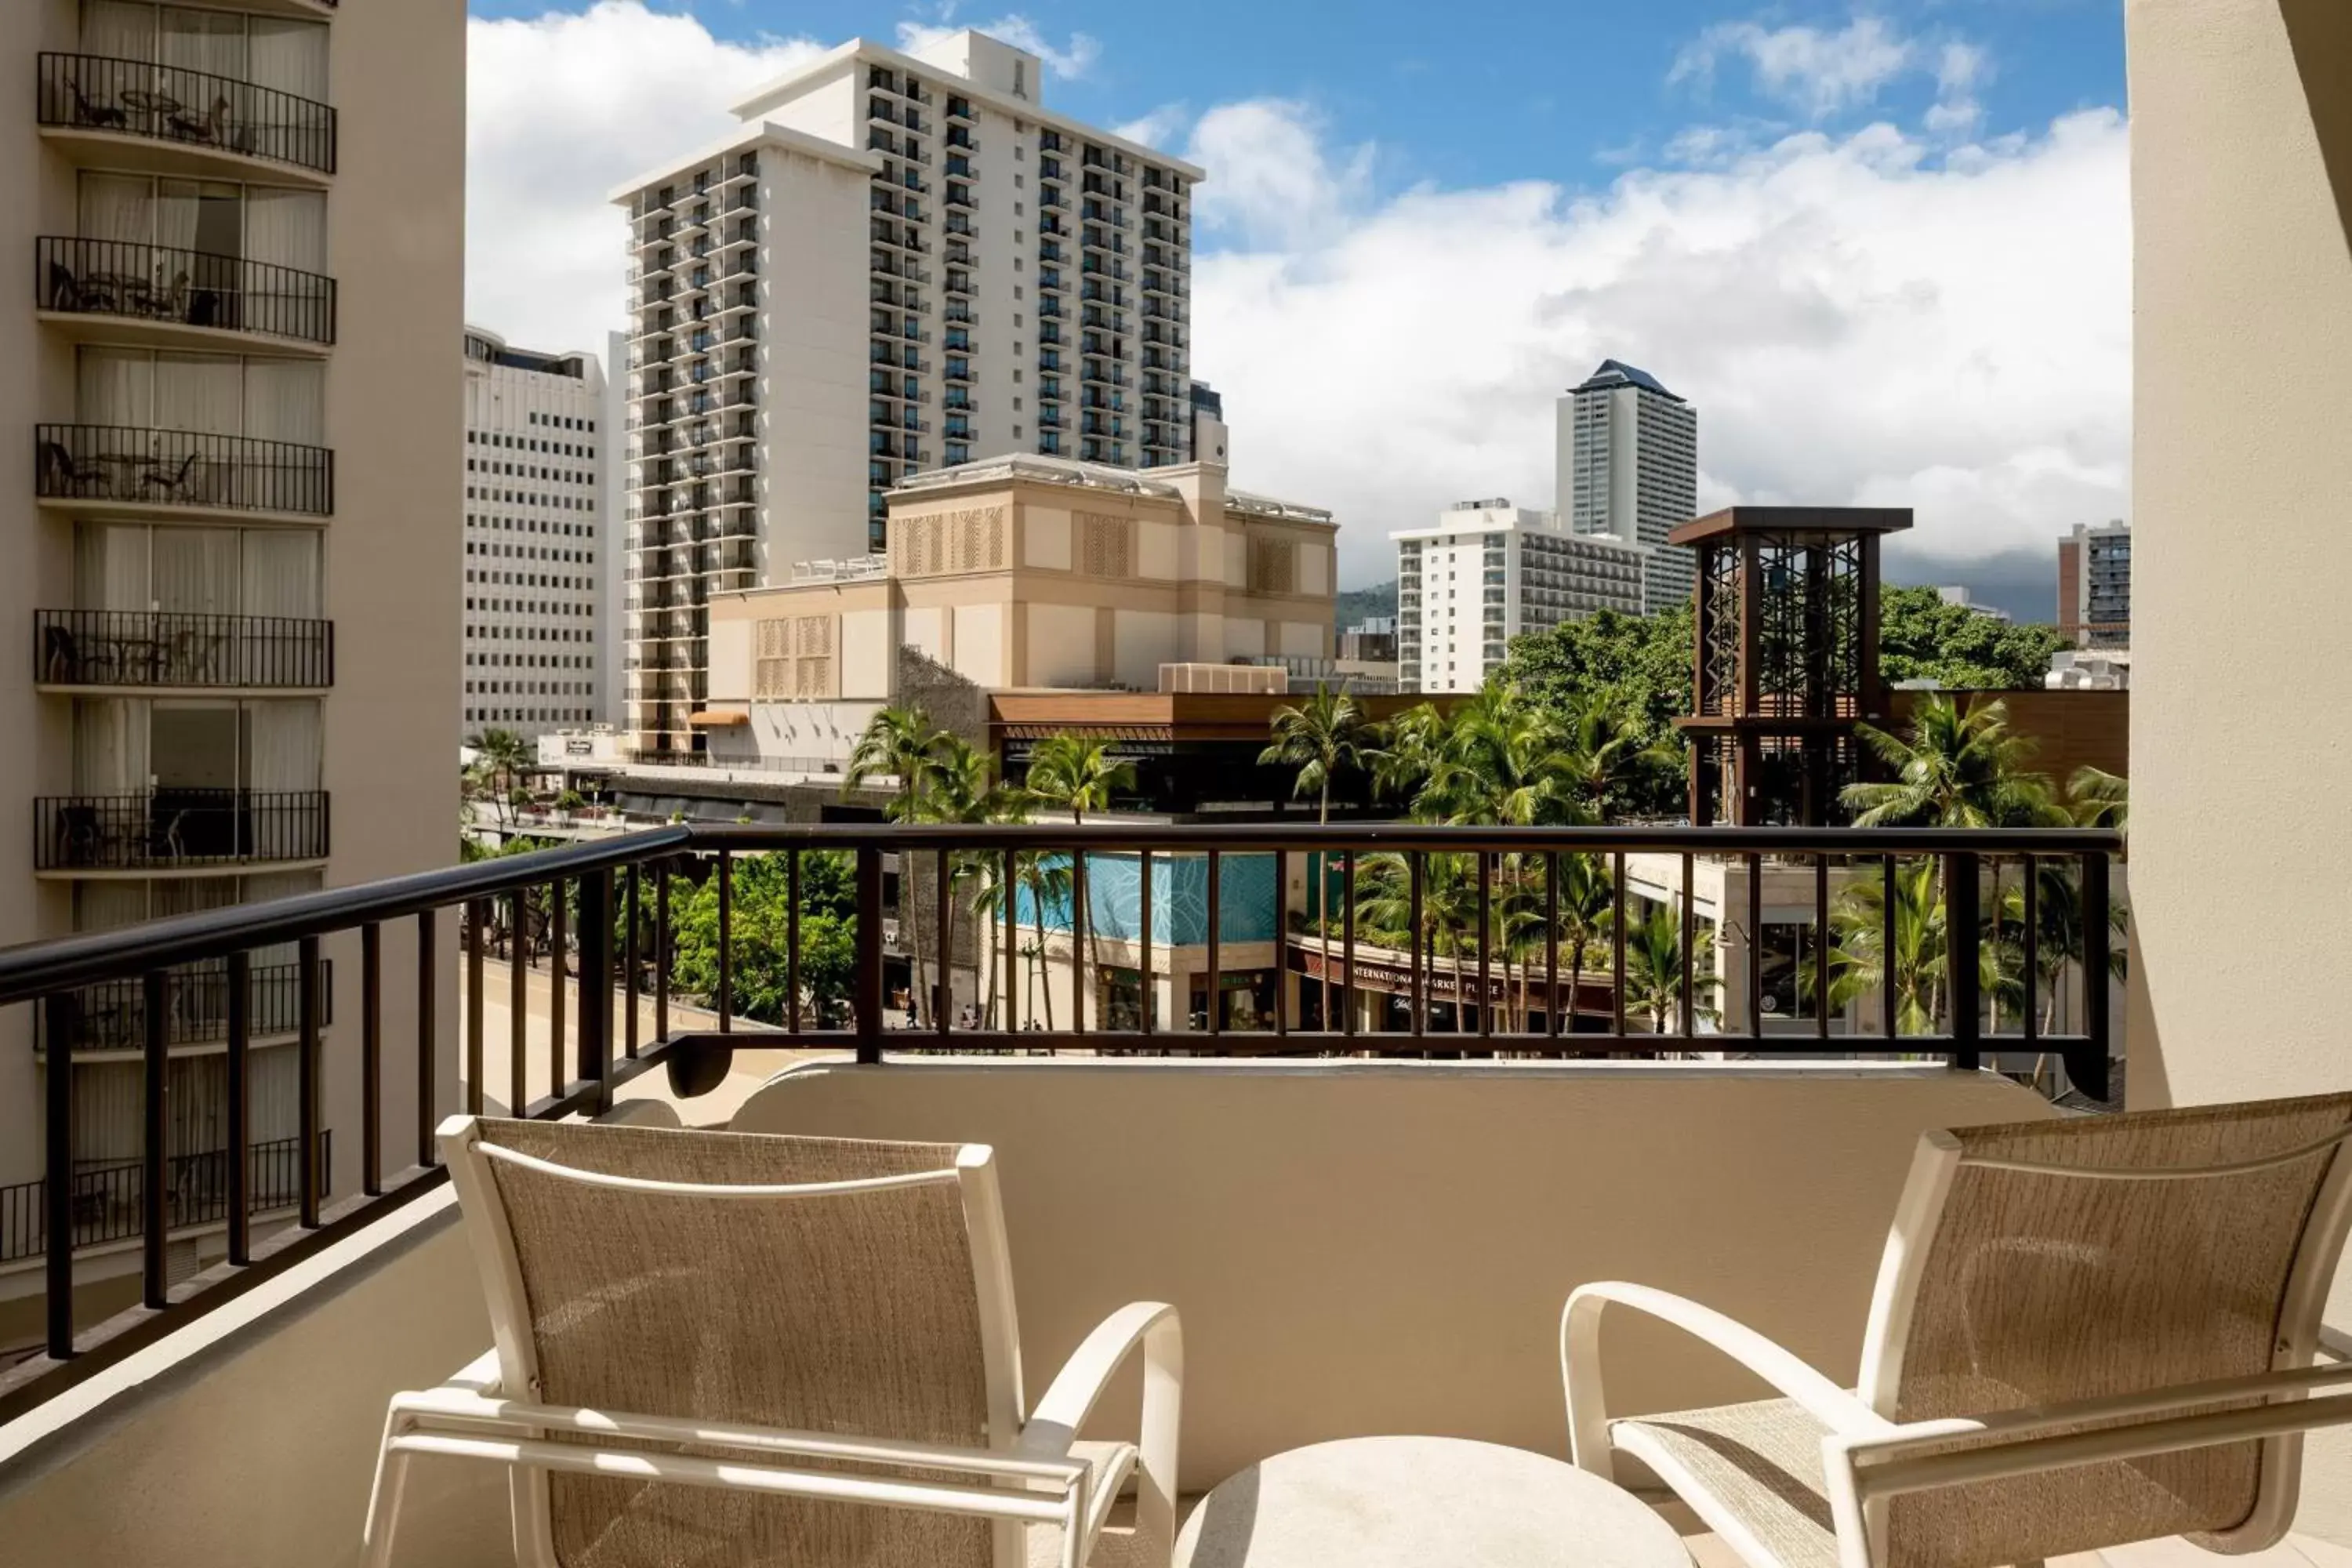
(125, 468)
(170, 120)
(174, 298)
(173, 828)
(164, 651)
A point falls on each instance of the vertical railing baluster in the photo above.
(1686, 1003)
(477, 919)
(240, 1108)
(2030, 1020)
(558, 922)
(1552, 948)
(1960, 911)
(664, 952)
(307, 1075)
(1756, 946)
(1416, 871)
(519, 1004)
(1011, 941)
(593, 1051)
(1281, 943)
(944, 990)
(1821, 947)
(869, 955)
(154, 1178)
(1216, 946)
(792, 940)
(1079, 926)
(2098, 944)
(372, 1058)
(426, 1033)
(1347, 943)
(725, 874)
(1890, 1022)
(1144, 989)
(1486, 943)
(1617, 946)
(630, 1021)
(56, 1191)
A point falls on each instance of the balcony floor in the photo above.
(170, 156)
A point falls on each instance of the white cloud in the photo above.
(1857, 322)
(560, 109)
(1818, 72)
(1275, 182)
(1157, 128)
(1072, 59)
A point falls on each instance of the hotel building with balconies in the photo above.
(537, 553)
(1487, 571)
(238, 600)
(898, 262)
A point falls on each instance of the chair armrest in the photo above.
(1053, 1424)
(2334, 1343)
(1837, 1408)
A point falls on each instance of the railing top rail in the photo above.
(243, 84)
(52, 431)
(38, 968)
(244, 264)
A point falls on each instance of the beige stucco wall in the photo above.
(2241, 473)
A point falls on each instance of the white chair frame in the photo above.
(1028, 1475)
(1869, 1456)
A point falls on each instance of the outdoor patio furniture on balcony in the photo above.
(170, 828)
(856, 1320)
(151, 648)
(177, 120)
(114, 466)
(182, 294)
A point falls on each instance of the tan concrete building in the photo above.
(1021, 572)
(227, 397)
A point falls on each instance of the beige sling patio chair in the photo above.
(2085, 1333)
(725, 1350)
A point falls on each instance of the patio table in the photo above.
(1409, 1502)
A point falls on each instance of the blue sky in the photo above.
(1883, 247)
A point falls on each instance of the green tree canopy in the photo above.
(1922, 637)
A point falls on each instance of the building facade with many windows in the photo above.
(898, 262)
(228, 391)
(1628, 466)
(2095, 585)
(536, 553)
(1488, 571)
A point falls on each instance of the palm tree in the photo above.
(1404, 752)
(1449, 909)
(959, 785)
(2100, 799)
(1587, 890)
(1959, 768)
(502, 760)
(899, 743)
(1604, 748)
(1045, 879)
(1654, 967)
(1319, 737)
(1067, 774)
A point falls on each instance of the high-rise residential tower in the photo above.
(896, 262)
(1488, 571)
(536, 546)
(1628, 466)
(2095, 585)
(233, 422)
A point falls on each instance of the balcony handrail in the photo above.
(145, 465)
(177, 648)
(131, 279)
(605, 906)
(191, 108)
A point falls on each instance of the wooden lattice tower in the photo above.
(1786, 659)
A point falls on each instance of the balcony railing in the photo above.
(114, 1016)
(168, 648)
(134, 464)
(108, 1202)
(188, 108)
(164, 284)
(166, 828)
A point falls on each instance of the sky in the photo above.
(1884, 248)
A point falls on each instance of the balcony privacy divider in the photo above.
(1409, 941)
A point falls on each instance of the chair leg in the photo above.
(383, 1501)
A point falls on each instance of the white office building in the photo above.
(1489, 570)
(895, 263)
(1628, 467)
(535, 440)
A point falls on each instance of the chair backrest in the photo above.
(858, 1289)
(2050, 1261)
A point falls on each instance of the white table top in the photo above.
(1374, 1502)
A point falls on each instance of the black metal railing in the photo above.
(188, 107)
(126, 464)
(185, 288)
(173, 827)
(1410, 941)
(108, 1202)
(171, 648)
(112, 1015)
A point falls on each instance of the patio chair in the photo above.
(733, 1349)
(110, 115)
(2086, 1332)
